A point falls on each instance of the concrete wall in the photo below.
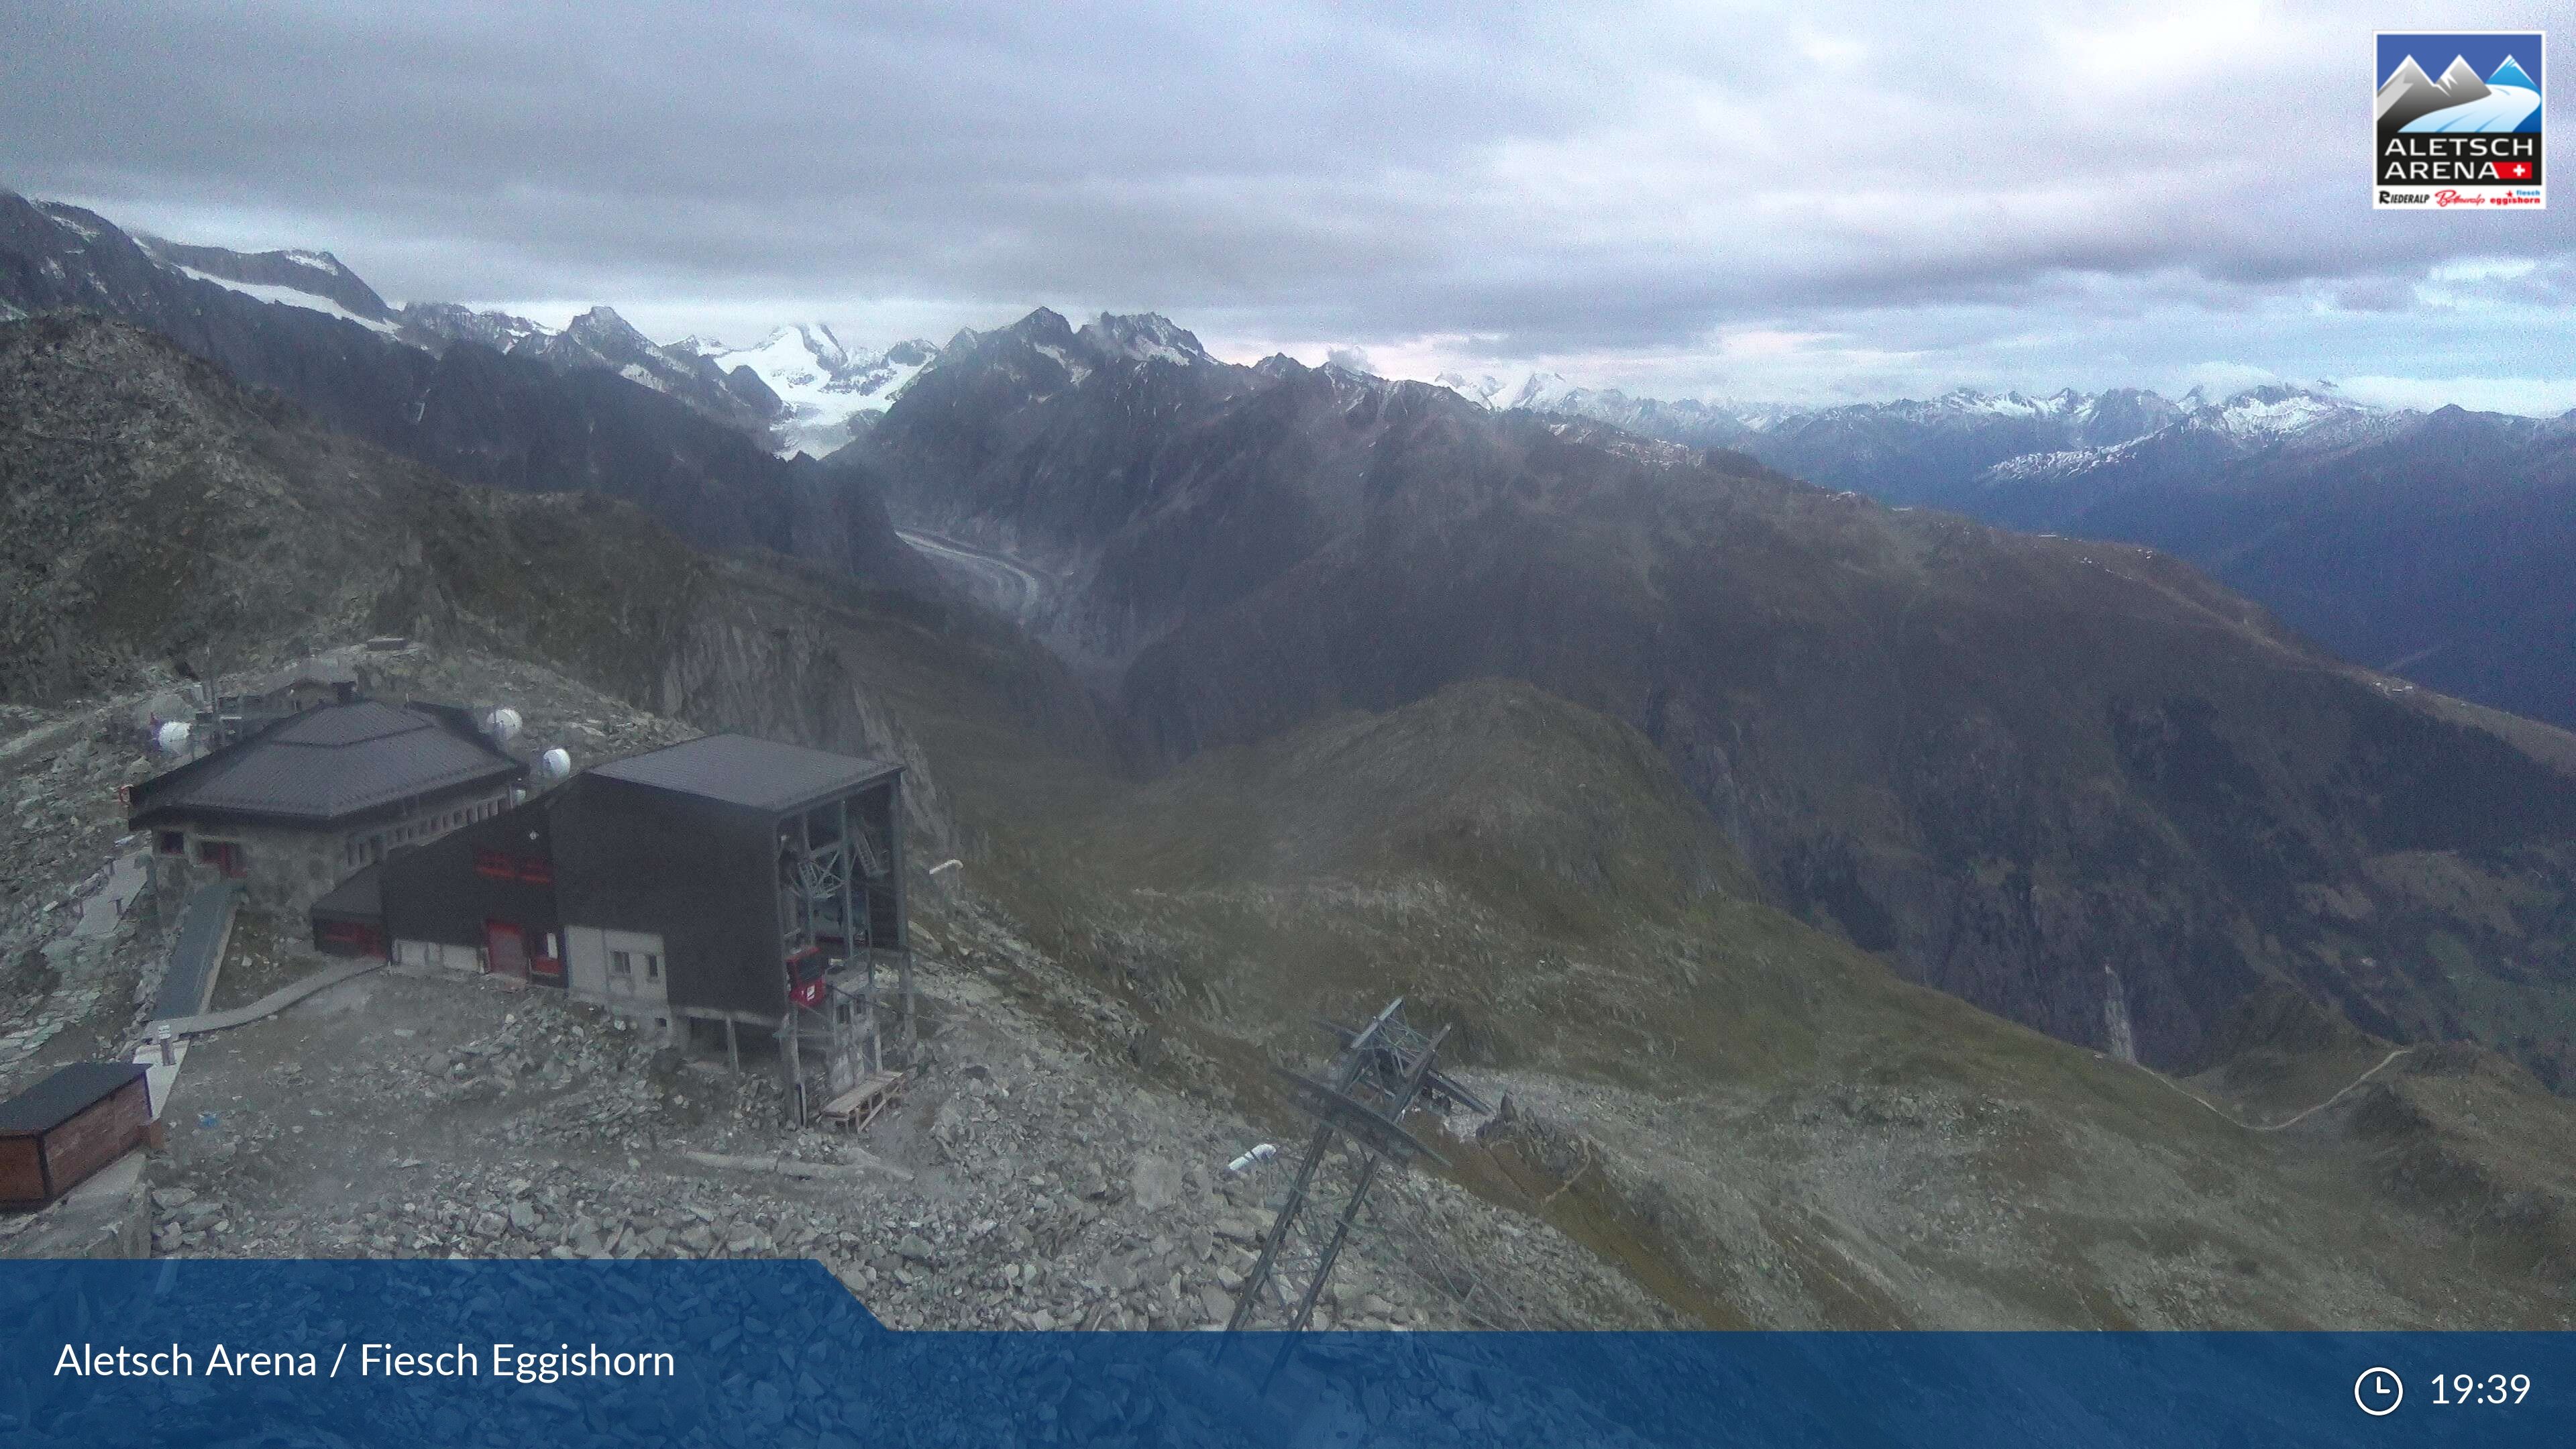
(288, 869)
(450, 955)
(642, 992)
(291, 867)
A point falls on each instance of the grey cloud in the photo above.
(1612, 181)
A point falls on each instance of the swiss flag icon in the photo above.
(2514, 170)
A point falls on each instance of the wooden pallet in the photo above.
(854, 1109)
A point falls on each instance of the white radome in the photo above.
(554, 764)
(502, 725)
(172, 737)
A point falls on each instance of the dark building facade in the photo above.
(309, 798)
(727, 879)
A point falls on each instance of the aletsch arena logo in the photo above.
(2467, 134)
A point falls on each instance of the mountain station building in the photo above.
(298, 804)
(724, 882)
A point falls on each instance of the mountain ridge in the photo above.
(482, 415)
(1998, 760)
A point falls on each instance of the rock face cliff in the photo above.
(2004, 762)
(156, 516)
(1716, 1104)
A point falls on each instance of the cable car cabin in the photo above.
(57, 1133)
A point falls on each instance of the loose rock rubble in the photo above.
(1048, 1188)
(1056, 1175)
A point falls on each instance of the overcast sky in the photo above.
(1699, 199)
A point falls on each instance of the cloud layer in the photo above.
(1688, 199)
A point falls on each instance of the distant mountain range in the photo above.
(2079, 783)
(2430, 544)
(2002, 760)
(2423, 543)
(800, 389)
(483, 397)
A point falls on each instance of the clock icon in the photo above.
(2378, 1391)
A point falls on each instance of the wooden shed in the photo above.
(56, 1133)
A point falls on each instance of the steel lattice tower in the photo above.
(1358, 1106)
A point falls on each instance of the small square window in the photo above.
(621, 964)
(652, 968)
(174, 842)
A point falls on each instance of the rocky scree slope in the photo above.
(1756, 1120)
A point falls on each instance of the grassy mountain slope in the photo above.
(2074, 783)
(1759, 1122)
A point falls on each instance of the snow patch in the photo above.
(288, 297)
(81, 229)
(823, 384)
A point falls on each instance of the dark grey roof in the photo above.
(741, 770)
(326, 764)
(64, 1095)
(204, 925)
(360, 897)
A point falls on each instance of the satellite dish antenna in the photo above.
(553, 765)
(502, 725)
(172, 738)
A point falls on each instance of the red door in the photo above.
(505, 950)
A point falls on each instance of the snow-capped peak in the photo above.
(1143, 337)
(823, 384)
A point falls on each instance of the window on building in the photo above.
(620, 964)
(536, 870)
(493, 863)
(174, 842)
(652, 967)
(224, 855)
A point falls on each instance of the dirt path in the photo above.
(2294, 1118)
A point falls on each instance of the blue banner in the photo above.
(362, 1353)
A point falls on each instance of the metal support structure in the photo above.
(828, 893)
(849, 930)
(911, 1031)
(1359, 1106)
(894, 868)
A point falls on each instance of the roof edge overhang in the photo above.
(884, 771)
(877, 777)
(151, 813)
